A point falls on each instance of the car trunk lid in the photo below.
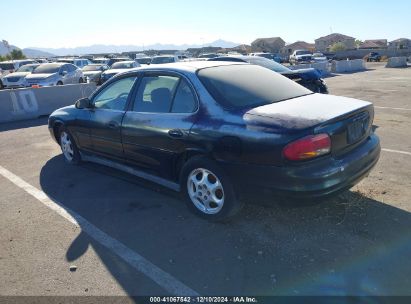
(348, 121)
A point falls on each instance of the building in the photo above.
(400, 44)
(323, 44)
(299, 45)
(269, 45)
(374, 44)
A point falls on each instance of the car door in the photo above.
(156, 128)
(74, 74)
(106, 116)
(65, 74)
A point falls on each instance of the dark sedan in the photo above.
(309, 78)
(217, 130)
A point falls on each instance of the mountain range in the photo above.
(30, 53)
(102, 49)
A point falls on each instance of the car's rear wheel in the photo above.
(68, 147)
(59, 83)
(208, 192)
(1, 85)
(80, 80)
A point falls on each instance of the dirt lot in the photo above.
(356, 244)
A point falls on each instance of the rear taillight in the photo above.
(308, 147)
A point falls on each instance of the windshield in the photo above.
(6, 66)
(246, 86)
(47, 68)
(160, 60)
(303, 53)
(123, 65)
(269, 64)
(27, 68)
(92, 67)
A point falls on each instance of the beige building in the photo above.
(323, 44)
(399, 44)
(271, 45)
(299, 45)
(374, 44)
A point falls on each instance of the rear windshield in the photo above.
(47, 68)
(245, 86)
(269, 64)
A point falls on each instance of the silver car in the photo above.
(18, 78)
(51, 74)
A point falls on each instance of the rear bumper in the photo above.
(313, 179)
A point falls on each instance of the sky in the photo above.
(56, 24)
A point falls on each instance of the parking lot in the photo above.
(124, 236)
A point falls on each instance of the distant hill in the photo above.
(100, 48)
(31, 53)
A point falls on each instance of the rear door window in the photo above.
(155, 94)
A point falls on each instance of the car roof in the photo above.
(191, 66)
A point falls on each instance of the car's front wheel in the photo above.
(68, 147)
(208, 192)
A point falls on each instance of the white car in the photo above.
(52, 74)
(18, 78)
(7, 67)
(300, 56)
(319, 57)
(78, 62)
(118, 67)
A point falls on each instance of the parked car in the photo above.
(92, 72)
(208, 55)
(18, 78)
(11, 66)
(164, 59)
(218, 130)
(309, 78)
(143, 60)
(78, 62)
(117, 59)
(300, 56)
(101, 60)
(373, 57)
(52, 74)
(275, 57)
(319, 57)
(118, 67)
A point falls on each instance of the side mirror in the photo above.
(83, 103)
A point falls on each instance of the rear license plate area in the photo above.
(357, 129)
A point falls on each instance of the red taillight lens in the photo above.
(308, 147)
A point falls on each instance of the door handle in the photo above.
(176, 133)
(113, 125)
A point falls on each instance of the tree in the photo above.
(358, 43)
(2, 58)
(339, 46)
(15, 54)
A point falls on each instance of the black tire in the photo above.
(75, 155)
(59, 83)
(1, 85)
(231, 205)
(81, 80)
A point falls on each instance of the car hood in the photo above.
(303, 112)
(303, 73)
(17, 74)
(40, 76)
